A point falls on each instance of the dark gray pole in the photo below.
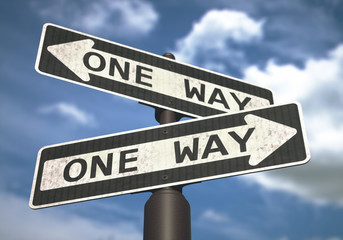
(167, 212)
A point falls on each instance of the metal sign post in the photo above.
(167, 216)
(167, 213)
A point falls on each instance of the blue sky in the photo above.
(294, 47)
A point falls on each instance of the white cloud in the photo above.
(213, 32)
(108, 17)
(213, 216)
(319, 182)
(318, 86)
(292, 82)
(69, 111)
(217, 222)
(18, 221)
(289, 34)
(324, 133)
(317, 80)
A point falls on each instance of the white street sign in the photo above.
(180, 153)
(149, 78)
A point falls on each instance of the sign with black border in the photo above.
(151, 79)
(168, 155)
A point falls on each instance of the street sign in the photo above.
(155, 80)
(168, 155)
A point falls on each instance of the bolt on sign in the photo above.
(167, 155)
(155, 80)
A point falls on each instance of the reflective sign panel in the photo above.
(168, 155)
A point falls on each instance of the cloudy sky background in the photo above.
(294, 47)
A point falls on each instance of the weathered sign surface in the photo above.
(155, 80)
(167, 155)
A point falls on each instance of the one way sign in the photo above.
(149, 78)
(174, 154)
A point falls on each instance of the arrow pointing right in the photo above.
(173, 154)
(267, 137)
(258, 139)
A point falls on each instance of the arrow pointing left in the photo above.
(143, 76)
(72, 54)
